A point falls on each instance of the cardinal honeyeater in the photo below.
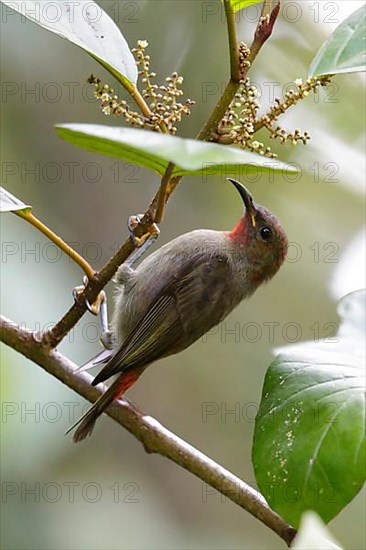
(180, 292)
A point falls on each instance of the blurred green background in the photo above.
(107, 492)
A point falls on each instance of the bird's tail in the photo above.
(117, 389)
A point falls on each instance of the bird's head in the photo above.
(260, 237)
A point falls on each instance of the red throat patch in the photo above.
(240, 231)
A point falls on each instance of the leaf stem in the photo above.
(33, 220)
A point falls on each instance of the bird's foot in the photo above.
(145, 241)
(96, 306)
(107, 339)
(152, 232)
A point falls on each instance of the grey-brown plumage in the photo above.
(181, 291)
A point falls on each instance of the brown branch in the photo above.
(54, 336)
(154, 437)
(162, 197)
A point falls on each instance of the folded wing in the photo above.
(193, 302)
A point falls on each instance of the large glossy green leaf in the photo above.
(154, 151)
(237, 5)
(309, 441)
(86, 25)
(9, 203)
(345, 49)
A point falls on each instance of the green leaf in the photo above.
(309, 440)
(345, 49)
(314, 535)
(86, 25)
(9, 203)
(237, 5)
(154, 151)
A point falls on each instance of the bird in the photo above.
(180, 292)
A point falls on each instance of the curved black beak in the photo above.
(247, 198)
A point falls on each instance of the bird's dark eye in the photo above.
(266, 233)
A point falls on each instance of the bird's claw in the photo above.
(78, 290)
(107, 339)
(94, 308)
(152, 232)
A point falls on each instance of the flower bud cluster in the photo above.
(238, 123)
(300, 91)
(241, 120)
(111, 104)
(162, 101)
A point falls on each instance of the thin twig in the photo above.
(154, 437)
(233, 42)
(162, 198)
(262, 33)
(264, 28)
